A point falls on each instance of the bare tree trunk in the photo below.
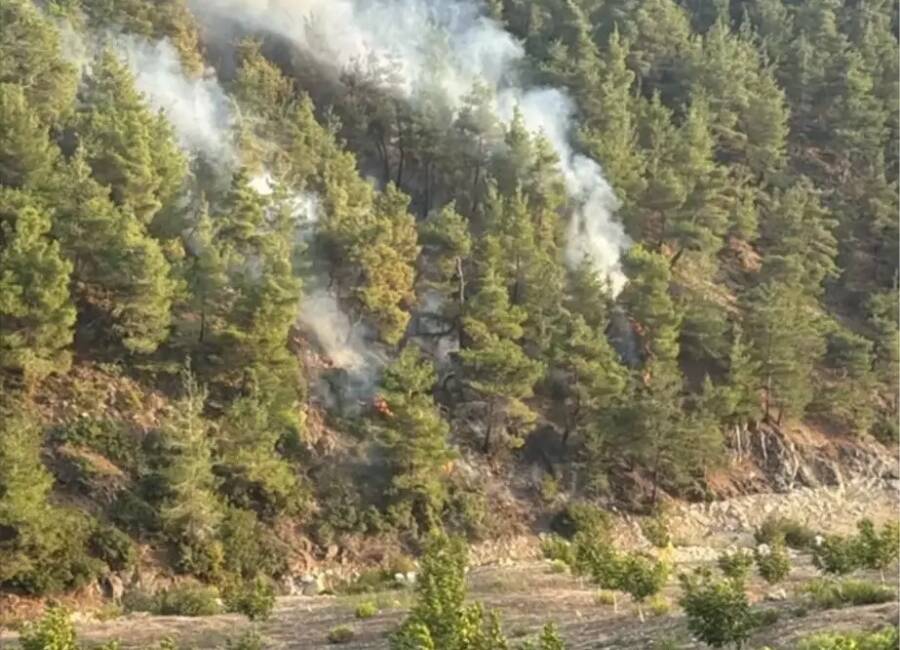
(461, 279)
(490, 427)
(400, 166)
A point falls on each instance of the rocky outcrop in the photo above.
(836, 508)
(785, 459)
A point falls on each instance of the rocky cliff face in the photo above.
(776, 459)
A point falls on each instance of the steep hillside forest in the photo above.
(320, 276)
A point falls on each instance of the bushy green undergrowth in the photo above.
(827, 593)
(188, 599)
(886, 639)
(366, 609)
(340, 634)
(793, 533)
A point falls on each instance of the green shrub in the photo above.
(828, 594)
(249, 640)
(772, 562)
(596, 558)
(55, 560)
(656, 530)
(366, 609)
(605, 597)
(558, 566)
(580, 517)
(134, 514)
(249, 548)
(340, 634)
(736, 565)
(203, 559)
(838, 555)
(255, 598)
(659, 605)
(641, 576)
(341, 510)
(113, 547)
(766, 618)
(548, 639)
(53, 632)
(369, 581)
(188, 599)
(106, 437)
(878, 550)
(886, 430)
(886, 639)
(794, 534)
(556, 548)
(466, 512)
(718, 611)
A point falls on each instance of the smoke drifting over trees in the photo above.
(451, 45)
(327, 266)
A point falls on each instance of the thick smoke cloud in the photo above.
(198, 109)
(454, 44)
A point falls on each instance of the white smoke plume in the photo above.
(592, 232)
(198, 108)
(454, 44)
(340, 340)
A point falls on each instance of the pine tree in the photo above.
(386, 257)
(416, 436)
(252, 312)
(128, 147)
(36, 311)
(30, 54)
(530, 266)
(479, 132)
(699, 223)
(118, 268)
(255, 475)
(206, 275)
(27, 157)
(25, 484)
(494, 364)
(612, 135)
(588, 296)
(847, 396)
(593, 378)
(782, 325)
(447, 246)
(860, 121)
(191, 512)
(646, 299)
(43, 547)
(798, 225)
(744, 382)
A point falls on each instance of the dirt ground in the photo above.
(527, 595)
(530, 593)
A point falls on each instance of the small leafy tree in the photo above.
(440, 619)
(595, 556)
(736, 565)
(772, 561)
(191, 514)
(878, 550)
(837, 555)
(53, 632)
(255, 598)
(549, 639)
(718, 612)
(642, 576)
